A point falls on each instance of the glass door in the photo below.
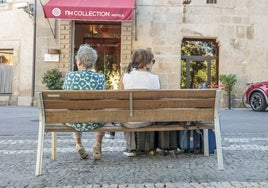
(106, 40)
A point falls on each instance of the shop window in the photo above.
(6, 58)
(199, 62)
(211, 1)
(105, 38)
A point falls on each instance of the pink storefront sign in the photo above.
(92, 10)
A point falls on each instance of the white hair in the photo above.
(86, 55)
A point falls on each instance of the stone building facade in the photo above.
(238, 27)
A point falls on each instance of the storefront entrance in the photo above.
(105, 38)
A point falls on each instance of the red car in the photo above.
(257, 96)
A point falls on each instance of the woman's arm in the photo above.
(121, 84)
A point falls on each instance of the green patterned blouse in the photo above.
(84, 80)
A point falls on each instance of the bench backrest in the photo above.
(62, 106)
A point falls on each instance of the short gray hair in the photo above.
(86, 55)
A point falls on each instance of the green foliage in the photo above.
(53, 79)
(189, 48)
(229, 80)
(198, 48)
(106, 65)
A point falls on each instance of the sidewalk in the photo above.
(245, 151)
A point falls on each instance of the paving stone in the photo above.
(245, 154)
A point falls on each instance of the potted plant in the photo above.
(53, 79)
(229, 80)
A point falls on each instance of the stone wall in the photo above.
(239, 26)
(65, 46)
(126, 43)
(16, 34)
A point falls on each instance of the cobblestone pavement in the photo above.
(245, 150)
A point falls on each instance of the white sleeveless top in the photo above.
(140, 80)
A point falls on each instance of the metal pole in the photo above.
(34, 52)
(229, 96)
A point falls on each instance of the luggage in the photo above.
(190, 140)
(167, 140)
(145, 141)
(211, 141)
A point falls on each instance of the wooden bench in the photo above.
(57, 107)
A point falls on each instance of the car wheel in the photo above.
(257, 102)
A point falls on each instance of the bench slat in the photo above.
(168, 114)
(137, 104)
(86, 104)
(124, 94)
(65, 128)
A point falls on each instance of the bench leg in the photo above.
(218, 131)
(54, 145)
(40, 150)
(206, 147)
(218, 146)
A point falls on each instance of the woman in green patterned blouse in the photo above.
(86, 79)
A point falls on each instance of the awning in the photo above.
(91, 10)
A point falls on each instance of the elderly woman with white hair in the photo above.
(86, 79)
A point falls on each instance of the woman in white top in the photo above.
(138, 76)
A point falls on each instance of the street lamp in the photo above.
(185, 2)
(26, 6)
